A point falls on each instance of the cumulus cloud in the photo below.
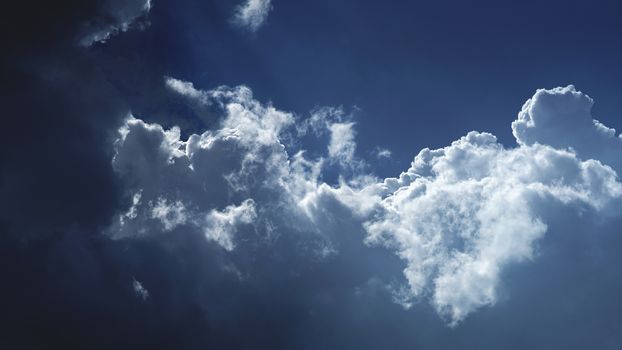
(462, 213)
(458, 217)
(219, 224)
(169, 214)
(561, 117)
(252, 14)
(342, 145)
(186, 89)
(230, 226)
(238, 174)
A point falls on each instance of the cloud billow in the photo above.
(458, 217)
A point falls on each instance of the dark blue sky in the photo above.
(422, 73)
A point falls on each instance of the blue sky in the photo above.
(271, 174)
(435, 70)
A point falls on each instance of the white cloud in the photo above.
(185, 88)
(462, 213)
(381, 153)
(457, 217)
(252, 14)
(170, 215)
(342, 145)
(219, 224)
(561, 117)
(198, 181)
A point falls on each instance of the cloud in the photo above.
(213, 181)
(458, 217)
(381, 153)
(140, 291)
(561, 117)
(461, 214)
(252, 14)
(219, 224)
(186, 89)
(113, 17)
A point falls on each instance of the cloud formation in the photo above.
(458, 217)
(252, 14)
(239, 229)
(462, 213)
(561, 118)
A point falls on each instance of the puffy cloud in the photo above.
(458, 217)
(463, 213)
(561, 117)
(44, 29)
(252, 14)
(214, 182)
(185, 88)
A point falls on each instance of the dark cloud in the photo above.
(57, 187)
(42, 26)
(60, 110)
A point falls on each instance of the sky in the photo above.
(270, 174)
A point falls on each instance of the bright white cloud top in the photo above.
(457, 217)
(252, 14)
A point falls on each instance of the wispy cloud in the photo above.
(252, 14)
